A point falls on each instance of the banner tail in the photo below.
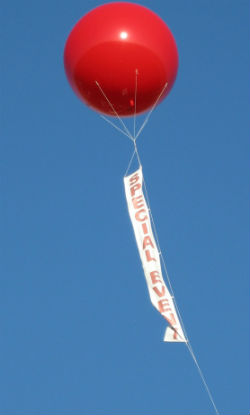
(171, 335)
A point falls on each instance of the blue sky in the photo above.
(78, 332)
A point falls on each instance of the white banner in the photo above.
(140, 218)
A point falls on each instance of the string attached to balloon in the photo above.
(115, 113)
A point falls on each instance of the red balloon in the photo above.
(108, 45)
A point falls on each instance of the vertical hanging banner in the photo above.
(158, 292)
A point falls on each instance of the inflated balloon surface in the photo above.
(117, 49)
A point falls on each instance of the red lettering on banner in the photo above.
(139, 217)
(138, 202)
(172, 322)
(144, 228)
(158, 292)
(147, 241)
(155, 277)
(163, 305)
(134, 188)
(134, 179)
(148, 256)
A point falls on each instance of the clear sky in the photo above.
(78, 333)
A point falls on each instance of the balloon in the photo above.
(117, 49)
